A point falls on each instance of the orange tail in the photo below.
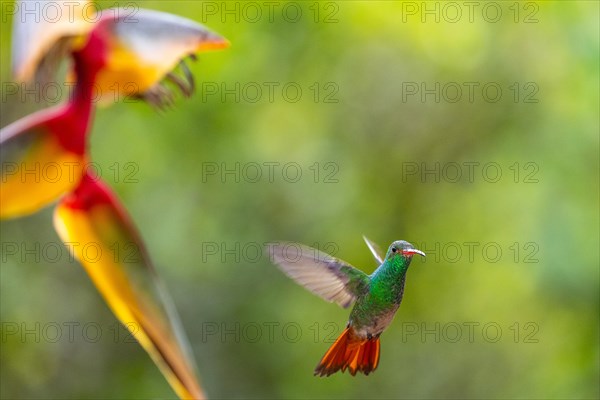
(352, 352)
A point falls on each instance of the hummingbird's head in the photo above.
(401, 248)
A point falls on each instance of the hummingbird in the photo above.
(376, 297)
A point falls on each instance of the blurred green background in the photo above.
(523, 323)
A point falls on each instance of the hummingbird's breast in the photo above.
(372, 325)
(374, 312)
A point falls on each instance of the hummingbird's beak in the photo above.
(410, 252)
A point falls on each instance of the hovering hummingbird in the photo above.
(376, 297)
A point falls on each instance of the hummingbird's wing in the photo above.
(332, 279)
(379, 257)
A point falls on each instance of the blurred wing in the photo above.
(36, 167)
(144, 47)
(375, 250)
(39, 30)
(101, 236)
(332, 279)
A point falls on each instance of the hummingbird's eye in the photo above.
(393, 249)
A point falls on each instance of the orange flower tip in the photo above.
(217, 43)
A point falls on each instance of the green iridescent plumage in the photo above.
(376, 296)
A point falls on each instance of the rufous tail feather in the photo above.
(350, 352)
